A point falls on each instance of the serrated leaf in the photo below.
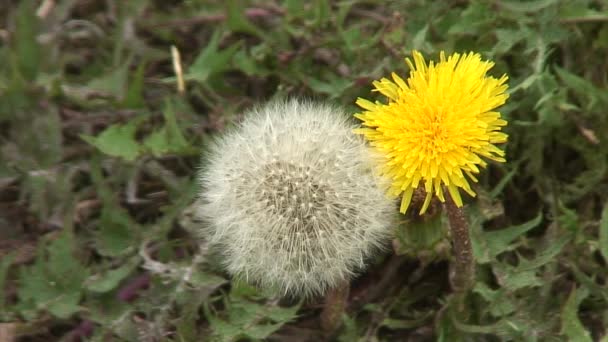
(47, 192)
(243, 312)
(545, 256)
(280, 314)
(499, 241)
(157, 142)
(349, 331)
(420, 41)
(113, 82)
(241, 289)
(507, 38)
(117, 141)
(527, 6)
(499, 305)
(54, 282)
(512, 279)
(205, 279)
(571, 324)
(224, 330)
(168, 139)
(473, 18)
(116, 234)
(109, 280)
(221, 329)
(248, 318)
(27, 147)
(587, 92)
(211, 60)
(261, 331)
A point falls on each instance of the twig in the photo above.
(583, 20)
(388, 276)
(45, 8)
(250, 13)
(384, 19)
(177, 67)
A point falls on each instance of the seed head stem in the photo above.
(333, 309)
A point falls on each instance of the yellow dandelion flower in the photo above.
(436, 127)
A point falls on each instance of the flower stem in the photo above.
(335, 304)
(462, 268)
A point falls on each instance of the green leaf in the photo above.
(334, 87)
(134, 95)
(322, 12)
(117, 141)
(238, 22)
(349, 332)
(211, 61)
(395, 324)
(247, 64)
(5, 264)
(27, 50)
(603, 242)
(497, 190)
(589, 282)
(572, 327)
(295, 8)
(109, 280)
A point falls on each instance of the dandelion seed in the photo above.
(437, 126)
(288, 248)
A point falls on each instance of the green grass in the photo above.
(99, 150)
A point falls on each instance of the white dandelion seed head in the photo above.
(290, 198)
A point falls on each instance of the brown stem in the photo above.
(335, 304)
(462, 268)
